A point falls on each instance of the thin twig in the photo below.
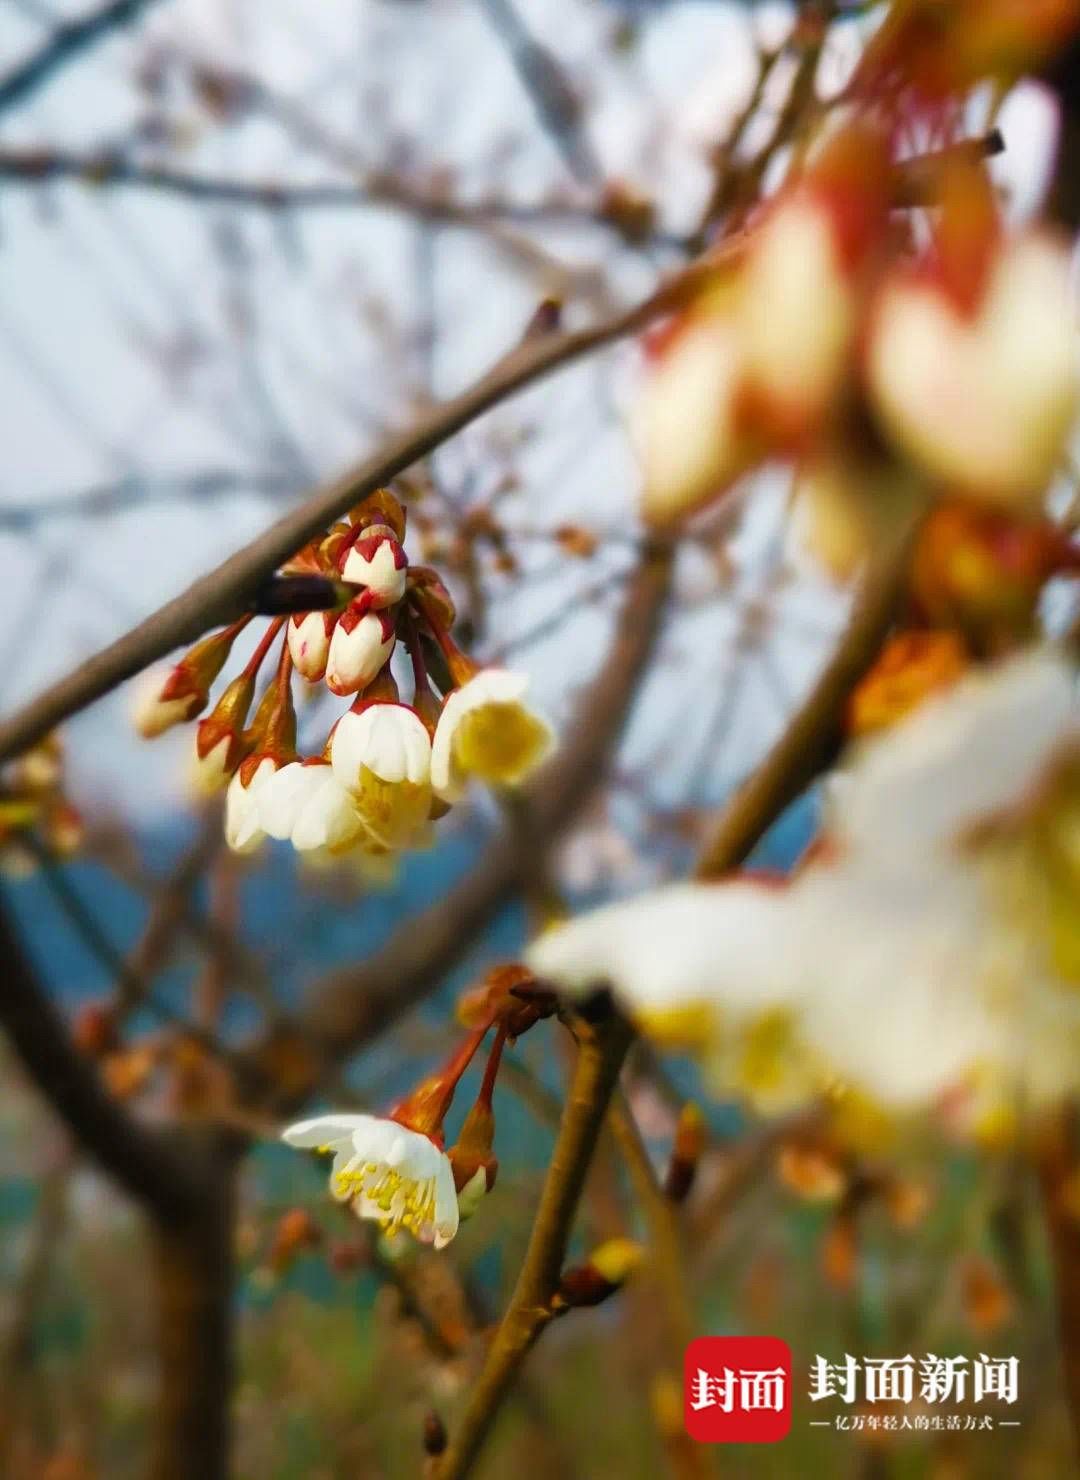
(662, 1221)
(554, 98)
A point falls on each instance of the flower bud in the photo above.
(309, 636)
(220, 743)
(381, 507)
(686, 1153)
(605, 1271)
(296, 1231)
(362, 643)
(169, 697)
(377, 562)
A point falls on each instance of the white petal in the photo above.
(447, 1216)
(686, 944)
(684, 421)
(489, 686)
(326, 1130)
(389, 739)
(891, 1002)
(960, 758)
(283, 796)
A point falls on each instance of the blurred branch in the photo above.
(377, 188)
(554, 98)
(350, 1006)
(17, 1358)
(602, 1049)
(139, 492)
(811, 737)
(226, 591)
(193, 1278)
(233, 93)
(662, 1222)
(68, 42)
(145, 1162)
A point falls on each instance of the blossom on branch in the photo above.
(371, 792)
(929, 954)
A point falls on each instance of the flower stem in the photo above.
(491, 1069)
(255, 662)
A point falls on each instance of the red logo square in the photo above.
(737, 1389)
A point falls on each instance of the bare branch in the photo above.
(143, 1161)
(68, 42)
(810, 738)
(101, 499)
(554, 99)
(227, 590)
(375, 188)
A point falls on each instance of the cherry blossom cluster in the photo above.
(387, 767)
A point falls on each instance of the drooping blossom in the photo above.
(305, 803)
(486, 731)
(380, 752)
(390, 1174)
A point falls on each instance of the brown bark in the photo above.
(193, 1276)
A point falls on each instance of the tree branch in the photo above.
(374, 189)
(812, 735)
(66, 44)
(602, 1049)
(143, 1161)
(554, 99)
(228, 589)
